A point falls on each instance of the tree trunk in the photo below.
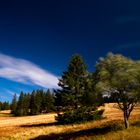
(126, 116)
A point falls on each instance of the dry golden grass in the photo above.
(23, 128)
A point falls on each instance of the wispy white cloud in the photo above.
(126, 19)
(26, 72)
(12, 93)
(3, 98)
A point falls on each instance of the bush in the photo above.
(113, 126)
(81, 114)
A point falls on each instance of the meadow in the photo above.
(44, 127)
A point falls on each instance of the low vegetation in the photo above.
(79, 115)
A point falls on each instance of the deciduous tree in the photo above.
(118, 76)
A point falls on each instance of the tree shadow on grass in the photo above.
(40, 125)
(136, 123)
(104, 129)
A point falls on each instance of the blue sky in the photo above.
(38, 38)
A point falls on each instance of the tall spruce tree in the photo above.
(32, 103)
(89, 97)
(20, 105)
(75, 85)
(14, 104)
(43, 101)
(26, 103)
(72, 82)
(36, 102)
(49, 101)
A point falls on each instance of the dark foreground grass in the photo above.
(113, 130)
(102, 130)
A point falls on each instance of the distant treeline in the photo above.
(34, 103)
(4, 106)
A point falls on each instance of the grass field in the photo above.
(45, 127)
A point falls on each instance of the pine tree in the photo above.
(0, 105)
(42, 100)
(72, 82)
(49, 99)
(26, 103)
(73, 85)
(32, 103)
(14, 104)
(58, 100)
(38, 101)
(20, 105)
(5, 106)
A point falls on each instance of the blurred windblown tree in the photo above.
(120, 77)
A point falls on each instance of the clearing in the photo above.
(45, 127)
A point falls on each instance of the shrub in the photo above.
(113, 126)
(81, 114)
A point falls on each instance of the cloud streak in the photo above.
(10, 92)
(26, 72)
(128, 45)
(126, 19)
